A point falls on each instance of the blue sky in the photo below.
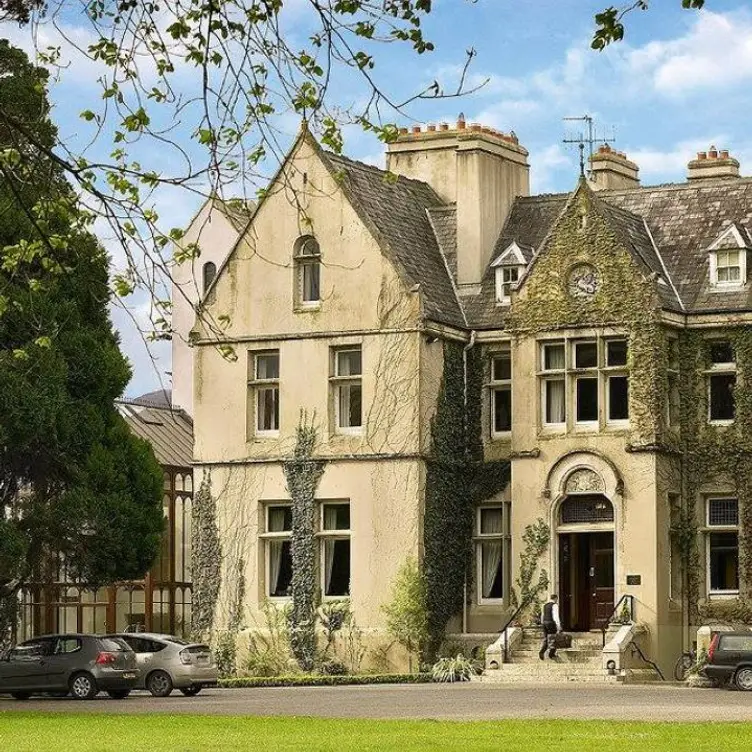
(678, 83)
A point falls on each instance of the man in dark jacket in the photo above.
(551, 625)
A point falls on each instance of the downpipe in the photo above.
(465, 351)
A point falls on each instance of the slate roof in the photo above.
(396, 211)
(168, 430)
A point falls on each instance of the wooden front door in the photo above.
(600, 577)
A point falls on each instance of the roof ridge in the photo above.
(358, 163)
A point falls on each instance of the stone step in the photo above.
(549, 668)
(573, 657)
(500, 677)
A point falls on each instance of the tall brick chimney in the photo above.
(713, 165)
(479, 168)
(612, 169)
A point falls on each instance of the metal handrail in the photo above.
(654, 665)
(504, 629)
(625, 597)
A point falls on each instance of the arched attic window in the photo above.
(209, 273)
(307, 261)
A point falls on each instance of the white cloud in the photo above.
(715, 53)
(544, 162)
(672, 163)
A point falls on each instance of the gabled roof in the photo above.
(514, 254)
(733, 236)
(396, 211)
(168, 430)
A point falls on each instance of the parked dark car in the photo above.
(79, 664)
(730, 659)
(167, 662)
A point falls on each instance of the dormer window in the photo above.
(506, 280)
(509, 268)
(728, 258)
(728, 269)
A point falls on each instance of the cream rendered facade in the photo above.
(385, 303)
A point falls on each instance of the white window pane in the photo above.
(555, 402)
(553, 357)
(280, 568)
(724, 561)
(502, 410)
(267, 409)
(587, 400)
(311, 291)
(616, 353)
(279, 519)
(723, 512)
(734, 274)
(267, 365)
(349, 363)
(337, 567)
(491, 567)
(336, 516)
(585, 355)
(350, 398)
(501, 369)
(723, 274)
(491, 521)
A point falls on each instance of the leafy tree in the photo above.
(74, 482)
(406, 614)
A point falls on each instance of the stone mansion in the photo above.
(587, 356)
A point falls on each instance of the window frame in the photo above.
(258, 385)
(570, 374)
(719, 369)
(300, 261)
(505, 538)
(709, 530)
(336, 381)
(496, 386)
(503, 286)
(268, 537)
(325, 535)
(715, 267)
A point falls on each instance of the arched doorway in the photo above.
(585, 528)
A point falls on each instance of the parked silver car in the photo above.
(166, 663)
(78, 664)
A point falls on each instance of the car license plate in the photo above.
(129, 675)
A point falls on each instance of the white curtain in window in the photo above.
(555, 402)
(330, 517)
(328, 564)
(555, 359)
(276, 519)
(491, 559)
(275, 564)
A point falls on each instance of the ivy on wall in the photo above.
(303, 474)
(711, 454)
(206, 558)
(535, 540)
(456, 480)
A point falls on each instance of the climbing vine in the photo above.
(535, 540)
(456, 480)
(303, 474)
(206, 556)
(711, 453)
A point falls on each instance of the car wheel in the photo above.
(118, 694)
(83, 686)
(190, 691)
(20, 695)
(743, 679)
(159, 683)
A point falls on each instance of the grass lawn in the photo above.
(58, 732)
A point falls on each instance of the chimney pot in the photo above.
(701, 155)
(475, 126)
(403, 131)
(461, 121)
(724, 154)
(416, 129)
(713, 153)
(431, 127)
(444, 126)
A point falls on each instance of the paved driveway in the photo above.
(457, 702)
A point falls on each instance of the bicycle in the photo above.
(685, 663)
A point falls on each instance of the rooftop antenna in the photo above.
(588, 136)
